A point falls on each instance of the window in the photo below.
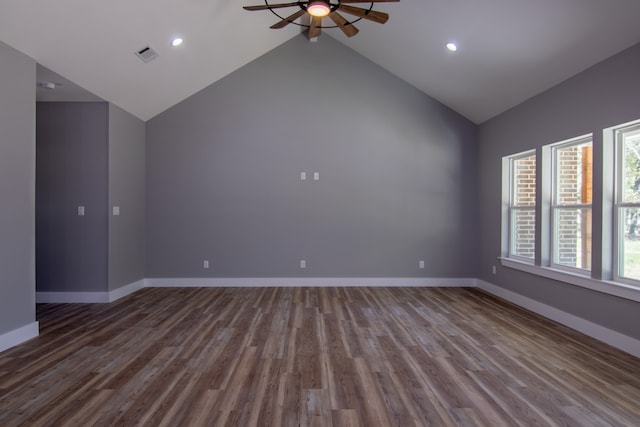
(627, 203)
(556, 222)
(522, 205)
(571, 198)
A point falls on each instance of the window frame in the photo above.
(618, 205)
(509, 189)
(555, 206)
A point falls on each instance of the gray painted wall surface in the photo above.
(397, 173)
(17, 189)
(605, 95)
(126, 190)
(72, 168)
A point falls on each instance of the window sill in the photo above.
(605, 286)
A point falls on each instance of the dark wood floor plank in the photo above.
(312, 357)
(511, 404)
(401, 412)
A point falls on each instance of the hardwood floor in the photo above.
(312, 357)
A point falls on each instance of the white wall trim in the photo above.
(72, 297)
(308, 281)
(19, 335)
(609, 336)
(106, 297)
(125, 290)
(88, 297)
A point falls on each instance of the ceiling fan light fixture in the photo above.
(318, 8)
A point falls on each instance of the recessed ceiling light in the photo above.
(452, 46)
(176, 42)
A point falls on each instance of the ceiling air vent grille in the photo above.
(147, 54)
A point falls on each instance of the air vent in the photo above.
(147, 54)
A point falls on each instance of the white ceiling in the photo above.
(509, 50)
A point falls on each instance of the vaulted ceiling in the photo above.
(509, 50)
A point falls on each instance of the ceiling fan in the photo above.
(318, 9)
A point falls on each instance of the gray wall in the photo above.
(17, 189)
(602, 96)
(72, 168)
(397, 172)
(126, 190)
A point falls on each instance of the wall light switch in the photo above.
(316, 176)
(303, 263)
(116, 210)
(303, 176)
(420, 264)
(205, 263)
(80, 210)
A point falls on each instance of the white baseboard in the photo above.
(18, 336)
(257, 282)
(609, 336)
(116, 294)
(72, 297)
(88, 297)
(106, 297)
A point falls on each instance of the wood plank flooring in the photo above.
(312, 357)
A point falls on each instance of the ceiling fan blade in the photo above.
(271, 6)
(315, 28)
(370, 15)
(368, 1)
(286, 21)
(347, 28)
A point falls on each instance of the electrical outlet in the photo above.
(80, 210)
(316, 176)
(420, 264)
(303, 176)
(303, 263)
(493, 269)
(205, 263)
